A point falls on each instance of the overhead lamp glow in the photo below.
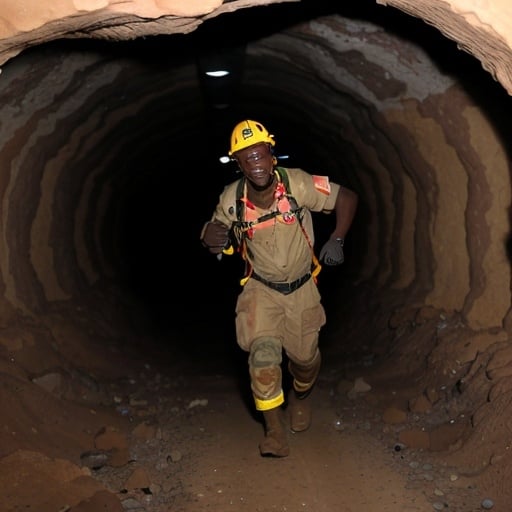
(217, 74)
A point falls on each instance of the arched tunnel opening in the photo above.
(110, 167)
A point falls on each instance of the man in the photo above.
(267, 216)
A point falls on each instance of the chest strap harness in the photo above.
(288, 210)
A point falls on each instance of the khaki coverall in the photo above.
(280, 252)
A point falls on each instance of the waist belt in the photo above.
(284, 288)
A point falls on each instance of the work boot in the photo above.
(275, 443)
(299, 405)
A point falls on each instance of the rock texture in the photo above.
(481, 28)
(107, 121)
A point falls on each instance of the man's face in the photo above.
(256, 163)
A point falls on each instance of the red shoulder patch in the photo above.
(322, 184)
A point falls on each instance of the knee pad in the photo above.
(305, 373)
(265, 351)
(265, 370)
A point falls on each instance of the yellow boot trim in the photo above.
(265, 405)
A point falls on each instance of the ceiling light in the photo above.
(217, 74)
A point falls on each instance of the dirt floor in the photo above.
(148, 435)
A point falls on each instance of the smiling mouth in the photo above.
(261, 181)
(259, 175)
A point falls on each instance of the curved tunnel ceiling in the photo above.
(110, 153)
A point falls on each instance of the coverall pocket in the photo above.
(245, 318)
(313, 319)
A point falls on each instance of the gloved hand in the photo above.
(332, 252)
(215, 236)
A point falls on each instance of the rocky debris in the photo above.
(411, 451)
(94, 459)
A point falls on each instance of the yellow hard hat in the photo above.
(247, 133)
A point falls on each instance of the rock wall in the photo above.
(98, 139)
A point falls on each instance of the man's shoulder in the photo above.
(228, 198)
(305, 183)
(231, 188)
(293, 173)
(296, 175)
(292, 170)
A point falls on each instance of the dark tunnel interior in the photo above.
(169, 176)
(111, 164)
(162, 160)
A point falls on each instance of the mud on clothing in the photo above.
(280, 252)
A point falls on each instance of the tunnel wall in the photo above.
(431, 163)
(67, 140)
(415, 126)
(428, 161)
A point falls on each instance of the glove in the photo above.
(332, 252)
(215, 236)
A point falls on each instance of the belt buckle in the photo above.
(294, 285)
(284, 288)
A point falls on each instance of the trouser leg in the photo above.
(299, 400)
